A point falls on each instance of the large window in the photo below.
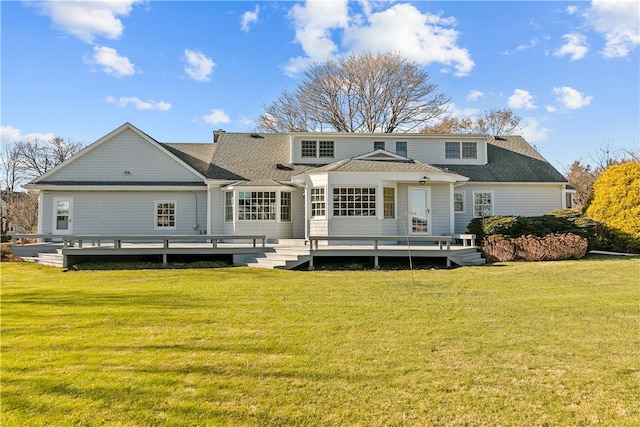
(318, 204)
(166, 215)
(316, 149)
(461, 150)
(285, 206)
(325, 149)
(458, 202)
(256, 205)
(389, 201)
(482, 204)
(354, 201)
(308, 148)
(228, 206)
(401, 148)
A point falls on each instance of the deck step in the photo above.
(49, 259)
(468, 258)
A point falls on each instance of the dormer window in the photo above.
(315, 149)
(461, 150)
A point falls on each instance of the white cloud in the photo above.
(198, 67)
(111, 62)
(570, 98)
(87, 20)
(10, 135)
(474, 95)
(249, 18)
(421, 37)
(533, 131)
(313, 23)
(217, 116)
(124, 101)
(576, 46)
(618, 22)
(521, 99)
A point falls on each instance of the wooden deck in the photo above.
(254, 250)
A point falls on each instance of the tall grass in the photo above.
(553, 343)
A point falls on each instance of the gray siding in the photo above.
(512, 199)
(125, 152)
(127, 212)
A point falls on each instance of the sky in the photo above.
(180, 70)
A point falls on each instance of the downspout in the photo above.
(196, 225)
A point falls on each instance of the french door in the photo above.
(420, 211)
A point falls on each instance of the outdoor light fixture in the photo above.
(423, 180)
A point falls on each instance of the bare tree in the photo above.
(37, 157)
(369, 92)
(493, 122)
(581, 177)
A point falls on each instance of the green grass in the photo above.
(531, 344)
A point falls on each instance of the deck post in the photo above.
(164, 259)
(376, 264)
(311, 267)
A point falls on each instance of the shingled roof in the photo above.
(263, 159)
(510, 159)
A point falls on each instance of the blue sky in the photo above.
(179, 70)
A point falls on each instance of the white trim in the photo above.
(389, 156)
(54, 223)
(464, 201)
(429, 209)
(473, 203)
(118, 188)
(155, 215)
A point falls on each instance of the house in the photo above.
(295, 185)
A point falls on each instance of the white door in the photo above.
(62, 216)
(420, 211)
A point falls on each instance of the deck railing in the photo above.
(442, 241)
(117, 239)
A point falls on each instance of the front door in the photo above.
(420, 211)
(62, 215)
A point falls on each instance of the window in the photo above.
(285, 206)
(458, 202)
(318, 204)
(257, 205)
(354, 201)
(228, 206)
(166, 215)
(451, 150)
(401, 148)
(457, 150)
(316, 149)
(378, 145)
(308, 148)
(568, 200)
(325, 149)
(482, 204)
(389, 202)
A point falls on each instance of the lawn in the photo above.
(531, 344)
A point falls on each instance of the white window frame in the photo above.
(406, 148)
(353, 199)
(393, 203)
(228, 206)
(270, 210)
(318, 202)
(475, 205)
(286, 208)
(157, 215)
(464, 202)
(317, 149)
(460, 150)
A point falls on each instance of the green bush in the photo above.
(556, 222)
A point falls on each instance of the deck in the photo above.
(254, 250)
